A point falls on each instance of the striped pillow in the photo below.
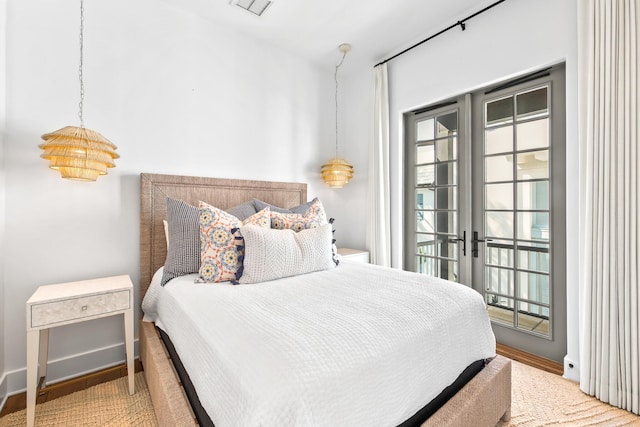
(183, 255)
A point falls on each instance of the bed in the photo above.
(483, 400)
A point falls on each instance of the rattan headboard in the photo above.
(222, 193)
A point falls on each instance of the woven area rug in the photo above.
(538, 399)
(106, 404)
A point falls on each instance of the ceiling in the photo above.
(314, 29)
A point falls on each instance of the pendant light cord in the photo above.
(81, 103)
(335, 77)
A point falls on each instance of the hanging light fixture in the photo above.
(77, 152)
(337, 172)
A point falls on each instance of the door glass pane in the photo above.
(425, 222)
(499, 224)
(446, 173)
(515, 161)
(499, 196)
(425, 175)
(447, 248)
(426, 244)
(446, 149)
(532, 103)
(424, 198)
(498, 140)
(499, 168)
(446, 198)
(533, 165)
(447, 125)
(426, 265)
(533, 226)
(425, 130)
(533, 256)
(533, 195)
(449, 270)
(500, 309)
(425, 153)
(533, 318)
(500, 253)
(446, 222)
(533, 134)
(499, 111)
(499, 280)
(435, 186)
(533, 287)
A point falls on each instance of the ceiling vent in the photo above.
(257, 7)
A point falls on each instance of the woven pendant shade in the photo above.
(78, 153)
(336, 173)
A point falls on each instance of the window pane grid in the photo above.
(436, 195)
(516, 205)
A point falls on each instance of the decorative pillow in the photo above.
(244, 210)
(314, 217)
(259, 205)
(272, 254)
(221, 247)
(183, 255)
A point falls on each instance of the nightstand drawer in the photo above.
(55, 312)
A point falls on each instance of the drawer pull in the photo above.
(84, 307)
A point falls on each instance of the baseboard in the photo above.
(73, 366)
(529, 359)
(18, 402)
(3, 391)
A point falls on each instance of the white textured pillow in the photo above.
(271, 254)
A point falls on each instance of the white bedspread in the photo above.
(357, 345)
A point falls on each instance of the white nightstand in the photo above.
(66, 303)
(354, 255)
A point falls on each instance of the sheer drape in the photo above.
(378, 224)
(609, 224)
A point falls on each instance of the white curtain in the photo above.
(378, 221)
(609, 224)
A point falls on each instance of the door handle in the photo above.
(475, 242)
(462, 239)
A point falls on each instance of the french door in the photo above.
(485, 190)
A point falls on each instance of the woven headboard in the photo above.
(222, 193)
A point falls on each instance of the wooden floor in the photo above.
(17, 402)
(530, 359)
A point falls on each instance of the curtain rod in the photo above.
(460, 23)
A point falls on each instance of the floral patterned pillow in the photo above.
(221, 245)
(314, 217)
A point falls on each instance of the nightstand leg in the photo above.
(33, 342)
(44, 353)
(128, 338)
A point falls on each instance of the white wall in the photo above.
(3, 31)
(511, 39)
(177, 95)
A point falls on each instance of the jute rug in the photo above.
(106, 404)
(538, 399)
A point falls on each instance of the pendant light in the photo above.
(77, 152)
(337, 172)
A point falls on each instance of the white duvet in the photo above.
(357, 345)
